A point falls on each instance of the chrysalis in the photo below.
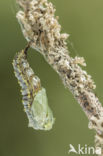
(34, 96)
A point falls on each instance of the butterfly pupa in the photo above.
(34, 97)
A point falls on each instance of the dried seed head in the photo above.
(40, 25)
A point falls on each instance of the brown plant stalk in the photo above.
(41, 28)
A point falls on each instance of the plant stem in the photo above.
(40, 26)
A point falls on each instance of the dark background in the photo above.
(83, 20)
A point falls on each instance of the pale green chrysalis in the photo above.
(34, 96)
(41, 112)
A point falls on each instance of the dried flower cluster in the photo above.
(41, 28)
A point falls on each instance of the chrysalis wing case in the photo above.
(34, 96)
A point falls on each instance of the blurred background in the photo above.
(83, 20)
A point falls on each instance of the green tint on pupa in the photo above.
(41, 112)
